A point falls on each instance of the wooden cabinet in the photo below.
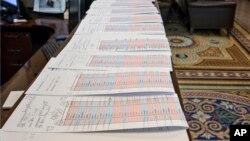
(16, 49)
(18, 43)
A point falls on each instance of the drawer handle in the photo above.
(14, 50)
(16, 64)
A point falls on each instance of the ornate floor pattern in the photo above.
(208, 58)
(209, 51)
(213, 72)
(213, 77)
(242, 37)
(209, 113)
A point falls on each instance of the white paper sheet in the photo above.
(121, 43)
(88, 114)
(122, 11)
(130, 61)
(147, 135)
(126, 4)
(146, 28)
(125, 19)
(12, 99)
(92, 82)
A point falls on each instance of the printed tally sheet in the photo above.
(122, 11)
(149, 134)
(86, 114)
(113, 61)
(89, 82)
(123, 43)
(144, 28)
(123, 19)
(125, 4)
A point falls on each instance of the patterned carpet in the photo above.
(206, 50)
(209, 113)
(241, 36)
(208, 58)
(213, 72)
(214, 78)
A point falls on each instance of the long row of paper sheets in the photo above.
(113, 75)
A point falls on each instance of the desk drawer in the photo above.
(10, 69)
(16, 49)
(17, 54)
(15, 57)
(16, 41)
(14, 64)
